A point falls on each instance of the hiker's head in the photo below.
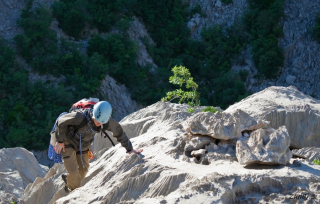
(102, 112)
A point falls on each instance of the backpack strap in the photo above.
(106, 135)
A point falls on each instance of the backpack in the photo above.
(82, 104)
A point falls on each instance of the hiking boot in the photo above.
(64, 178)
(66, 189)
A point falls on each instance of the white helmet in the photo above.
(102, 111)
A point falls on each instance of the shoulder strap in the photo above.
(84, 122)
(106, 135)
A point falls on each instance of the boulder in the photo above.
(197, 142)
(198, 153)
(286, 106)
(265, 147)
(221, 125)
(49, 188)
(310, 153)
(161, 114)
(7, 198)
(18, 168)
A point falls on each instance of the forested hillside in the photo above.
(29, 108)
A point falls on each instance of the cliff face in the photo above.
(119, 98)
(301, 65)
(9, 13)
(215, 12)
(302, 57)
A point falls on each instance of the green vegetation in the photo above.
(210, 109)
(227, 1)
(316, 28)
(28, 109)
(38, 46)
(166, 23)
(72, 16)
(262, 23)
(316, 161)
(181, 75)
(25, 117)
(76, 17)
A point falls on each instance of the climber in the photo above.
(75, 133)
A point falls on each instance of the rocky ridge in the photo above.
(182, 165)
(286, 106)
(18, 168)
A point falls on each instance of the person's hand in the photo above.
(58, 147)
(137, 151)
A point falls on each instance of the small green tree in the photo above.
(180, 76)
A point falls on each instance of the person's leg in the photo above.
(71, 165)
(83, 170)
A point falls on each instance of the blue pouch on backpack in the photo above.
(57, 158)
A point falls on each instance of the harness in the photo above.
(79, 136)
(90, 129)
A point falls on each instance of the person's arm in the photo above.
(119, 134)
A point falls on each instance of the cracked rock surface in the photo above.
(166, 173)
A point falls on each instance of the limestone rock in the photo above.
(119, 98)
(222, 125)
(215, 12)
(18, 168)
(163, 173)
(289, 107)
(301, 51)
(197, 142)
(198, 153)
(290, 79)
(49, 188)
(263, 148)
(102, 143)
(42, 158)
(310, 153)
(7, 198)
(161, 114)
(225, 150)
(137, 31)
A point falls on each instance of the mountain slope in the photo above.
(166, 172)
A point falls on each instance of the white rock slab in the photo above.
(264, 148)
